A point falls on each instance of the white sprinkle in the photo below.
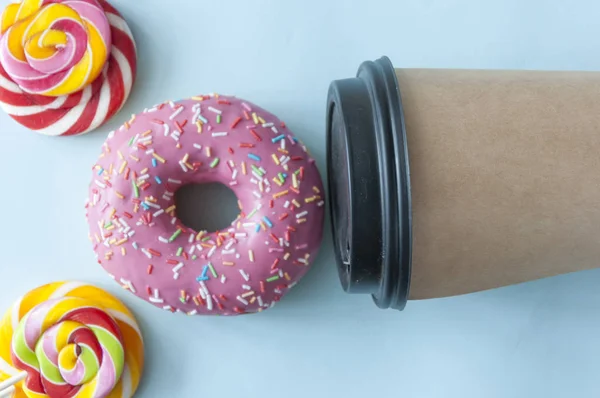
(100, 184)
(300, 215)
(233, 183)
(199, 247)
(191, 239)
(156, 300)
(246, 107)
(158, 213)
(176, 113)
(196, 114)
(248, 224)
(156, 294)
(150, 151)
(185, 169)
(163, 240)
(150, 204)
(228, 246)
(246, 287)
(130, 234)
(281, 242)
(285, 160)
(258, 177)
(174, 181)
(173, 220)
(135, 245)
(256, 194)
(226, 251)
(245, 275)
(129, 284)
(286, 204)
(146, 139)
(175, 136)
(301, 260)
(251, 255)
(260, 300)
(223, 278)
(282, 144)
(192, 313)
(218, 112)
(167, 308)
(321, 203)
(241, 235)
(205, 294)
(166, 129)
(192, 249)
(178, 267)
(175, 276)
(172, 104)
(267, 125)
(241, 300)
(219, 134)
(197, 146)
(274, 129)
(212, 251)
(147, 253)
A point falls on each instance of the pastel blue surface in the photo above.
(539, 339)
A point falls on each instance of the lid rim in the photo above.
(368, 112)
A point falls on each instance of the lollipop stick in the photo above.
(8, 392)
(7, 386)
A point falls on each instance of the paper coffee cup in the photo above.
(445, 182)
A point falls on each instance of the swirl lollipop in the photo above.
(66, 66)
(70, 339)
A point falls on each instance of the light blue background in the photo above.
(538, 339)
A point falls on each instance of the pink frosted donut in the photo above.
(246, 268)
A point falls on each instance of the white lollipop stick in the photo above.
(7, 386)
(8, 392)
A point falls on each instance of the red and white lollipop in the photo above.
(66, 66)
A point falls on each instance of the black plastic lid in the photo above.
(369, 184)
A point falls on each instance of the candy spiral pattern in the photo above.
(73, 340)
(54, 48)
(66, 66)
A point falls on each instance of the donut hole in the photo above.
(206, 207)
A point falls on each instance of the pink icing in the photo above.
(245, 268)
